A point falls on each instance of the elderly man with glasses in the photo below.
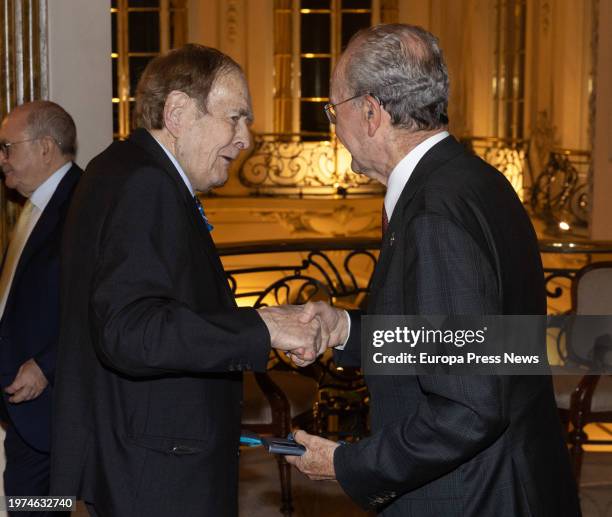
(456, 241)
(37, 146)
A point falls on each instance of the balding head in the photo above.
(403, 67)
(37, 139)
(46, 118)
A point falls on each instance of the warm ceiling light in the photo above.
(564, 226)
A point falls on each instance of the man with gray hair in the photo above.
(37, 146)
(456, 241)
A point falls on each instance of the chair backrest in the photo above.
(592, 289)
(590, 335)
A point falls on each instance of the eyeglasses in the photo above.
(6, 146)
(330, 109)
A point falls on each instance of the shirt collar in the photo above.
(404, 169)
(178, 167)
(42, 195)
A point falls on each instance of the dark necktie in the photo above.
(385, 221)
(201, 210)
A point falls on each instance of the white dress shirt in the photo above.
(31, 213)
(178, 167)
(404, 169)
(397, 181)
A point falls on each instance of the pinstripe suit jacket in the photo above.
(459, 242)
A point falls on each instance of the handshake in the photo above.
(304, 332)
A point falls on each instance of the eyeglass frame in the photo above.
(5, 147)
(331, 115)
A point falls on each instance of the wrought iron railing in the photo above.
(339, 271)
(335, 270)
(302, 164)
(561, 192)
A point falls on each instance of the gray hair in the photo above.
(403, 67)
(46, 118)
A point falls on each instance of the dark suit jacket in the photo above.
(459, 242)
(149, 385)
(30, 324)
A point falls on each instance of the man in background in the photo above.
(37, 146)
(152, 343)
(457, 241)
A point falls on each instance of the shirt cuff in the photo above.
(348, 320)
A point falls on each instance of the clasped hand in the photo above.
(304, 332)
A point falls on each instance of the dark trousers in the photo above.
(27, 470)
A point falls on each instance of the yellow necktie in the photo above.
(18, 240)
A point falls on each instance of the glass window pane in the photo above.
(356, 4)
(115, 117)
(143, 3)
(114, 32)
(115, 78)
(312, 116)
(132, 115)
(351, 23)
(315, 77)
(315, 33)
(137, 66)
(315, 4)
(144, 32)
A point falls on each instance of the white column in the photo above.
(80, 75)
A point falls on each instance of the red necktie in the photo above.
(385, 221)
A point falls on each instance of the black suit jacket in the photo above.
(30, 323)
(149, 385)
(459, 242)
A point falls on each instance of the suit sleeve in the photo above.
(459, 416)
(46, 362)
(142, 322)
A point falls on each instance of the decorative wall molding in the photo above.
(288, 164)
(341, 221)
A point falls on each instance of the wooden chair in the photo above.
(273, 403)
(588, 342)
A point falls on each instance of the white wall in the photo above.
(80, 69)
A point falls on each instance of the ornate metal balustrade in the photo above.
(561, 192)
(562, 260)
(336, 271)
(302, 164)
(315, 164)
(510, 156)
(339, 271)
